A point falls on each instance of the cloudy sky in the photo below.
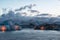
(44, 6)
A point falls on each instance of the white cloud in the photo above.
(1, 12)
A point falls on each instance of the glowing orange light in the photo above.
(3, 28)
(42, 28)
(16, 27)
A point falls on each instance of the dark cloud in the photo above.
(20, 9)
(33, 11)
(27, 6)
(44, 15)
(58, 15)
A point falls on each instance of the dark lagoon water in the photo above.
(30, 34)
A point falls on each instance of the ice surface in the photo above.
(30, 34)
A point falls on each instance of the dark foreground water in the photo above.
(30, 34)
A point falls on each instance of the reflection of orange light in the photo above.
(3, 28)
(42, 28)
